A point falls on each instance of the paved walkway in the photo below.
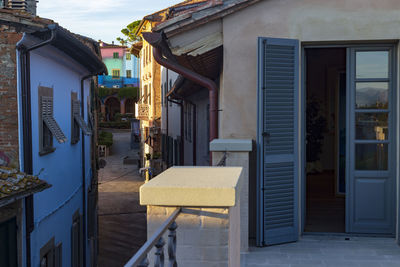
(332, 251)
(122, 221)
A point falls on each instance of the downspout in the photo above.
(194, 122)
(182, 118)
(157, 40)
(83, 171)
(167, 102)
(24, 60)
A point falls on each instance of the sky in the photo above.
(99, 19)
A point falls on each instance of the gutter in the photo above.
(164, 57)
(178, 83)
(83, 171)
(27, 128)
(59, 38)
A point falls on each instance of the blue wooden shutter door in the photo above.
(278, 85)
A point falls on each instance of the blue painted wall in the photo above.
(54, 207)
(123, 64)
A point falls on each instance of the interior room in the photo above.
(325, 139)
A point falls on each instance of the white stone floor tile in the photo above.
(314, 250)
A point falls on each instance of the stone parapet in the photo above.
(208, 232)
(237, 153)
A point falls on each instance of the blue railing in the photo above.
(156, 240)
(109, 81)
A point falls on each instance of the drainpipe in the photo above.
(161, 53)
(167, 103)
(182, 118)
(83, 171)
(24, 60)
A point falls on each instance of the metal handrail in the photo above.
(155, 240)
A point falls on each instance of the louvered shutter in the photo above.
(279, 80)
(47, 115)
(77, 117)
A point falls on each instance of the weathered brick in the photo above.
(8, 97)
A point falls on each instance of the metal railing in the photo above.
(140, 258)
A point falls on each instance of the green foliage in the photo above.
(103, 92)
(121, 93)
(105, 138)
(129, 32)
(115, 124)
(127, 92)
(316, 127)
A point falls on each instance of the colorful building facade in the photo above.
(122, 67)
(123, 72)
(52, 139)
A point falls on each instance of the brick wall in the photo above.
(8, 98)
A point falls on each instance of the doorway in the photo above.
(350, 181)
(326, 137)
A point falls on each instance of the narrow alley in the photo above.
(122, 221)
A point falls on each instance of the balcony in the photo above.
(197, 211)
(121, 81)
(142, 111)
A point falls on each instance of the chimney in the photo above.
(25, 5)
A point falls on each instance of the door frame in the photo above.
(302, 103)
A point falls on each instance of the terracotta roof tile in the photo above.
(14, 183)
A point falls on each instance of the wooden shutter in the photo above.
(47, 116)
(278, 130)
(76, 110)
(58, 255)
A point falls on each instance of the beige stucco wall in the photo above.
(306, 20)
(310, 21)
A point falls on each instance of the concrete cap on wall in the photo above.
(193, 187)
(231, 145)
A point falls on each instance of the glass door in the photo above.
(370, 152)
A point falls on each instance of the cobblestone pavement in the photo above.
(332, 251)
(122, 221)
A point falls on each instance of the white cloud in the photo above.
(99, 19)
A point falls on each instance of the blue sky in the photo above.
(99, 19)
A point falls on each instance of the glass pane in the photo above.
(372, 126)
(372, 64)
(372, 95)
(371, 156)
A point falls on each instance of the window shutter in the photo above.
(76, 108)
(278, 130)
(81, 240)
(58, 255)
(47, 115)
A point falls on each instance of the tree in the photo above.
(129, 32)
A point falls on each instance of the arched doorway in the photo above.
(129, 106)
(112, 107)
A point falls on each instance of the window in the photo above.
(128, 74)
(115, 55)
(8, 237)
(76, 240)
(115, 73)
(77, 122)
(165, 93)
(170, 87)
(162, 95)
(128, 56)
(145, 95)
(50, 256)
(188, 122)
(149, 94)
(48, 127)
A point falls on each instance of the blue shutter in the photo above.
(278, 140)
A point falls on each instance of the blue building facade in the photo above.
(122, 67)
(56, 143)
